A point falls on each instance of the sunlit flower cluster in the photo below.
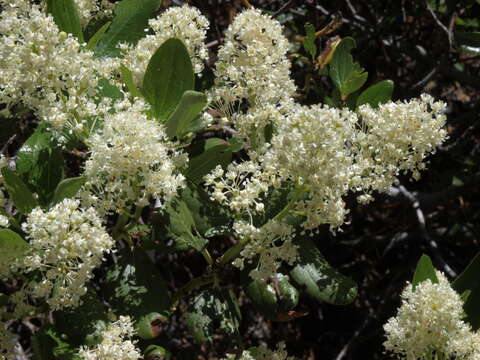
(252, 66)
(116, 343)
(88, 9)
(263, 353)
(395, 138)
(45, 69)
(131, 162)
(185, 23)
(428, 321)
(66, 244)
(271, 243)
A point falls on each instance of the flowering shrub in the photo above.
(161, 167)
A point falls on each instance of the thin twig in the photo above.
(439, 23)
(284, 8)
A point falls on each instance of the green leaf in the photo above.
(134, 286)
(469, 281)
(150, 326)
(347, 75)
(18, 191)
(65, 14)
(379, 93)
(309, 40)
(189, 107)
(169, 74)
(92, 43)
(181, 226)
(127, 78)
(12, 246)
(263, 296)
(156, 352)
(128, 25)
(424, 271)
(40, 163)
(67, 189)
(106, 89)
(216, 152)
(210, 311)
(320, 280)
(85, 322)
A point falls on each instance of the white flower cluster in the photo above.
(272, 243)
(89, 9)
(66, 244)
(131, 161)
(395, 138)
(252, 66)
(185, 23)
(116, 343)
(4, 222)
(429, 321)
(263, 353)
(45, 69)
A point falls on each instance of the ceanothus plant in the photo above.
(163, 167)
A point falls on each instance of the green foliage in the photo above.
(135, 287)
(376, 94)
(127, 78)
(93, 41)
(469, 282)
(212, 152)
(169, 74)
(128, 25)
(210, 311)
(189, 107)
(40, 163)
(65, 14)
(67, 189)
(468, 41)
(309, 40)
(18, 191)
(424, 271)
(319, 279)
(347, 75)
(11, 245)
(48, 344)
(156, 352)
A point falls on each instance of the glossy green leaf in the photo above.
(134, 286)
(263, 296)
(49, 344)
(309, 40)
(287, 293)
(216, 152)
(424, 271)
(40, 163)
(210, 311)
(128, 25)
(93, 41)
(65, 14)
(469, 281)
(18, 191)
(12, 246)
(156, 352)
(149, 326)
(169, 74)
(347, 75)
(127, 78)
(319, 279)
(67, 189)
(189, 107)
(376, 94)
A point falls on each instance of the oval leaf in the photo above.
(65, 15)
(424, 271)
(321, 281)
(18, 191)
(67, 188)
(191, 104)
(469, 281)
(128, 25)
(11, 245)
(169, 74)
(376, 94)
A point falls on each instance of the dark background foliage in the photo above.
(418, 45)
(415, 44)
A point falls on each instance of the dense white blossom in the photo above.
(185, 23)
(263, 353)
(66, 244)
(88, 9)
(46, 69)
(116, 343)
(271, 243)
(131, 161)
(430, 320)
